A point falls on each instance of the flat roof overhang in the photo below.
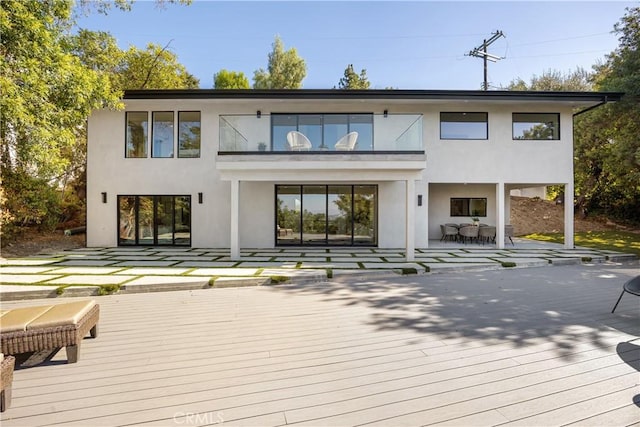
(577, 99)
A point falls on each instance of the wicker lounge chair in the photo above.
(6, 380)
(32, 329)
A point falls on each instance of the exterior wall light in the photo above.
(386, 113)
(419, 199)
(104, 197)
(200, 198)
(258, 114)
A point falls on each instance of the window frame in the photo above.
(155, 198)
(352, 221)
(178, 131)
(486, 122)
(322, 115)
(529, 113)
(173, 134)
(468, 207)
(126, 135)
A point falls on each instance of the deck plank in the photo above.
(484, 348)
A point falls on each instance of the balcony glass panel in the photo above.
(268, 133)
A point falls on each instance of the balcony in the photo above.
(267, 134)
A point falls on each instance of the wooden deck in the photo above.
(534, 346)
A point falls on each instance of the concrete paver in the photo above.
(90, 280)
(141, 268)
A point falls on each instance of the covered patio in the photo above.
(515, 347)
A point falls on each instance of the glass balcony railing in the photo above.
(317, 133)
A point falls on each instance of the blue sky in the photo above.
(405, 45)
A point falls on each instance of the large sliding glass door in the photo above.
(154, 220)
(336, 215)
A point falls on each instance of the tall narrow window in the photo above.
(137, 133)
(463, 126)
(189, 134)
(162, 134)
(536, 126)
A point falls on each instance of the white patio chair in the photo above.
(347, 142)
(298, 142)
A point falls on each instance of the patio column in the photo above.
(500, 214)
(569, 242)
(425, 201)
(235, 213)
(410, 226)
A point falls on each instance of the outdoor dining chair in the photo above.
(632, 286)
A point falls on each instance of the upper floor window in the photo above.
(162, 134)
(136, 133)
(189, 134)
(464, 126)
(536, 126)
(323, 131)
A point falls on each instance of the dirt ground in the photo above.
(527, 216)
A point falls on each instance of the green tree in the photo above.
(554, 80)
(155, 67)
(50, 81)
(225, 79)
(608, 166)
(285, 69)
(353, 80)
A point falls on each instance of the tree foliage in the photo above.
(353, 80)
(554, 80)
(155, 67)
(50, 80)
(225, 79)
(608, 152)
(606, 139)
(285, 69)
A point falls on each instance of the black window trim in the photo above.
(322, 114)
(513, 136)
(178, 133)
(465, 112)
(326, 243)
(155, 226)
(126, 127)
(468, 199)
(173, 121)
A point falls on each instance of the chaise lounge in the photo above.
(6, 380)
(32, 329)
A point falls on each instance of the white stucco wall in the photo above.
(449, 162)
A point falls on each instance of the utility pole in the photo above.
(481, 52)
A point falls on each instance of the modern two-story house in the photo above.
(323, 168)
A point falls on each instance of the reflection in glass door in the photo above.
(337, 215)
(364, 217)
(288, 204)
(314, 214)
(154, 220)
(339, 225)
(145, 221)
(164, 220)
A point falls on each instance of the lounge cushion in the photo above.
(18, 318)
(62, 314)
